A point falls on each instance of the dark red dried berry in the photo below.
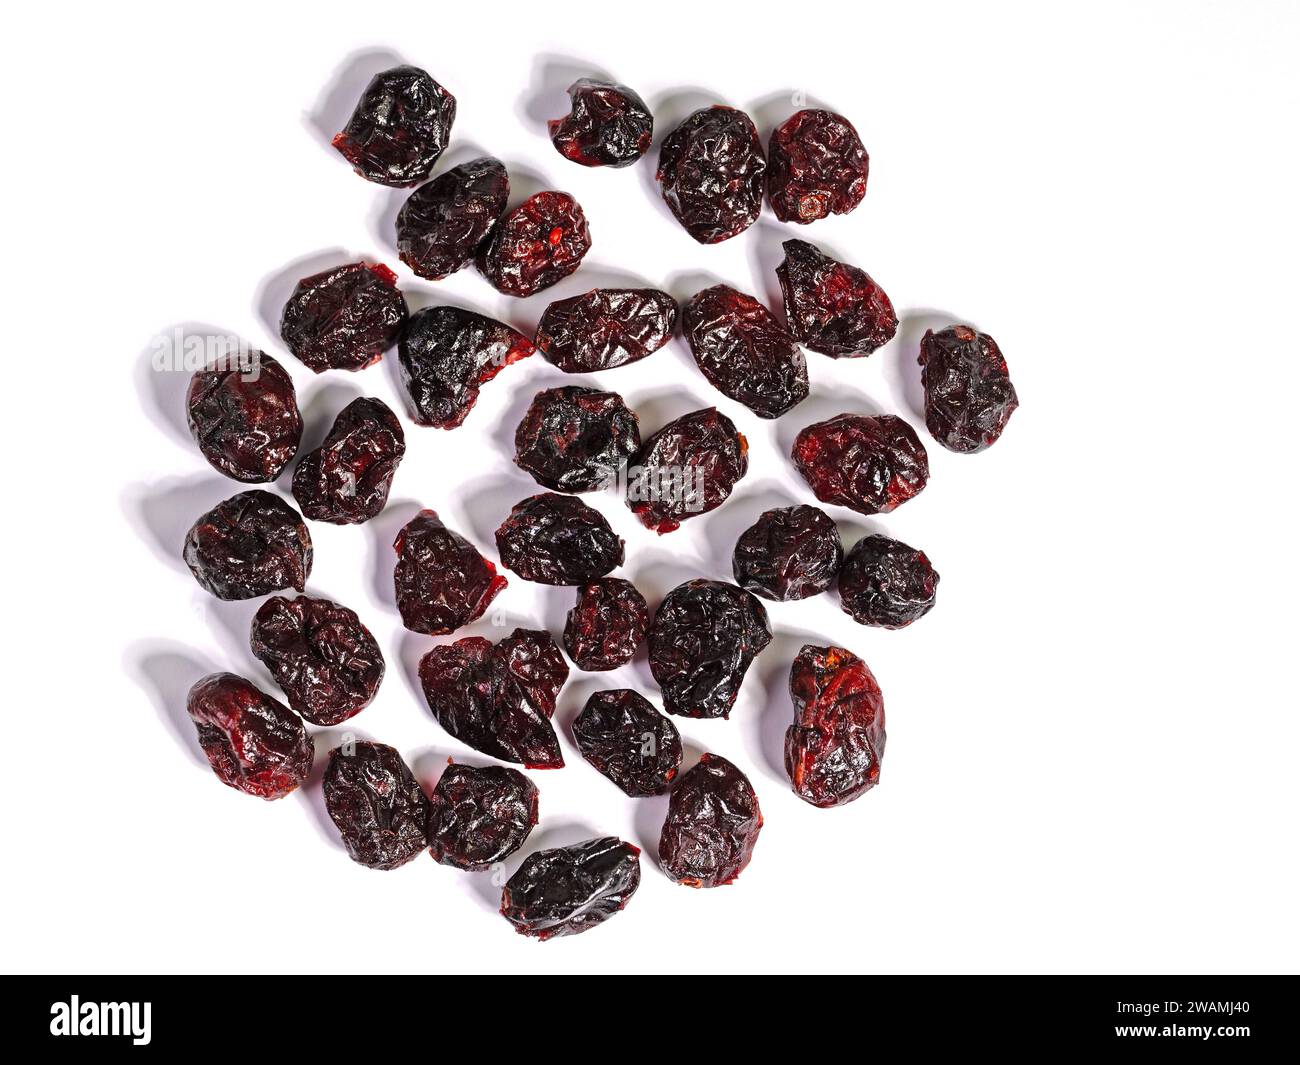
(346, 480)
(326, 662)
(969, 397)
(868, 464)
(540, 242)
(607, 625)
(609, 125)
(816, 166)
(833, 749)
(568, 890)
(832, 307)
(744, 352)
(605, 328)
(379, 807)
(711, 170)
(254, 744)
(442, 224)
(629, 741)
(499, 698)
(251, 544)
(687, 468)
(345, 318)
(576, 439)
(712, 825)
(441, 580)
(243, 414)
(886, 583)
(704, 636)
(789, 553)
(555, 539)
(400, 126)
(480, 816)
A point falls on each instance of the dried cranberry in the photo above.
(576, 439)
(441, 580)
(712, 825)
(607, 625)
(816, 166)
(833, 749)
(254, 744)
(789, 553)
(323, 658)
(688, 467)
(702, 641)
(442, 224)
(884, 582)
(480, 816)
(399, 128)
(243, 414)
(609, 125)
(711, 168)
(346, 480)
(969, 397)
(446, 354)
(744, 352)
(568, 890)
(833, 307)
(499, 698)
(251, 544)
(870, 465)
(555, 539)
(629, 741)
(377, 804)
(606, 327)
(540, 242)
(345, 318)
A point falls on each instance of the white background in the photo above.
(1093, 737)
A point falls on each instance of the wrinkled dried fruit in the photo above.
(568, 890)
(346, 480)
(712, 825)
(345, 318)
(326, 662)
(744, 352)
(868, 464)
(251, 544)
(687, 468)
(441, 580)
(400, 126)
(609, 125)
(254, 744)
(243, 414)
(816, 166)
(576, 439)
(702, 641)
(886, 583)
(711, 170)
(607, 625)
(969, 397)
(540, 242)
(499, 698)
(379, 807)
(480, 816)
(833, 749)
(629, 741)
(789, 553)
(606, 327)
(832, 307)
(442, 224)
(555, 539)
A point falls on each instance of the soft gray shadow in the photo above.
(902, 371)
(161, 512)
(312, 794)
(327, 397)
(821, 405)
(274, 290)
(339, 98)
(547, 95)
(765, 731)
(382, 218)
(166, 671)
(652, 810)
(856, 528)
(771, 110)
(741, 511)
(766, 254)
(163, 374)
(656, 407)
(662, 568)
(669, 110)
(381, 532)
(490, 501)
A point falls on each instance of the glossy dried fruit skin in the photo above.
(253, 743)
(480, 816)
(499, 698)
(607, 625)
(833, 307)
(969, 397)
(744, 352)
(323, 658)
(400, 126)
(868, 464)
(833, 749)
(688, 468)
(540, 242)
(441, 225)
(568, 890)
(346, 480)
(606, 328)
(576, 439)
(789, 553)
(884, 582)
(441, 581)
(377, 804)
(243, 414)
(711, 170)
(249, 545)
(816, 166)
(608, 125)
(344, 318)
(704, 636)
(446, 355)
(629, 741)
(555, 539)
(712, 825)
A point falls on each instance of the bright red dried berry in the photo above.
(558, 539)
(868, 464)
(884, 582)
(344, 318)
(606, 328)
(400, 126)
(816, 166)
(346, 480)
(540, 242)
(609, 125)
(575, 439)
(711, 170)
(607, 625)
(243, 414)
(629, 741)
(480, 816)
(969, 397)
(687, 468)
(568, 890)
(373, 798)
(832, 307)
(712, 825)
(789, 553)
(441, 225)
(441, 581)
(251, 544)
